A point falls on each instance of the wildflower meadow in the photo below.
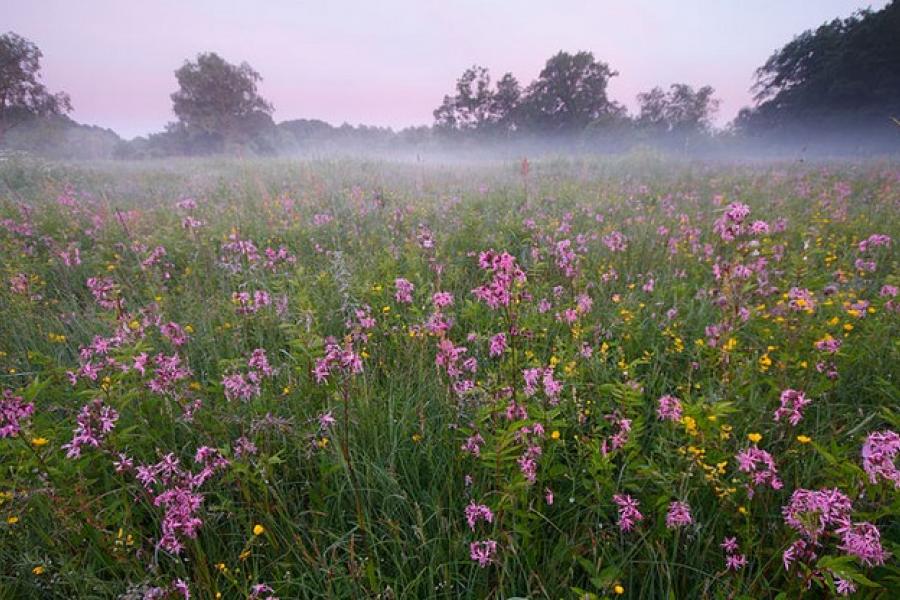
(579, 378)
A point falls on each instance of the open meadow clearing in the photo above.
(360, 379)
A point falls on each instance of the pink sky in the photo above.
(389, 62)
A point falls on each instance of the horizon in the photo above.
(312, 67)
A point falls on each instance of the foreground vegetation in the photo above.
(348, 379)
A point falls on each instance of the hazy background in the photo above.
(389, 62)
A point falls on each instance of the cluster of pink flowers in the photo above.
(505, 273)
(168, 371)
(734, 560)
(619, 438)
(679, 514)
(240, 386)
(247, 303)
(104, 291)
(536, 377)
(175, 489)
(498, 344)
(731, 224)
(404, 289)
(761, 467)
(337, 360)
(801, 299)
(669, 408)
(792, 404)
(615, 242)
(473, 444)
(629, 515)
(816, 514)
(483, 552)
(875, 240)
(95, 421)
(451, 358)
(478, 512)
(879, 456)
(13, 411)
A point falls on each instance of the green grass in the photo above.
(374, 506)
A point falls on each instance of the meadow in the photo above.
(575, 378)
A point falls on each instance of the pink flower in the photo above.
(483, 552)
(792, 404)
(761, 467)
(879, 455)
(863, 540)
(95, 422)
(679, 514)
(404, 290)
(13, 410)
(478, 512)
(442, 299)
(498, 344)
(669, 408)
(629, 514)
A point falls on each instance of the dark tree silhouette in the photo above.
(218, 105)
(22, 95)
(569, 94)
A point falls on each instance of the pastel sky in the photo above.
(389, 62)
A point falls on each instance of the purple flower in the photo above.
(629, 514)
(879, 455)
(669, 408)
(13, 410)
(498, 344)
(95, 421)
(792, 404)
(404, 290)
(679, 514)
(483, 552)
(478, 512)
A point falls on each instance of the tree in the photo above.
(469, 109)
(218, 105)
(682, 109)
(22, 95)
(569, 94)
(845, 73)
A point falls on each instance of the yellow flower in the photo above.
(743, 510)
(38, 570)
(38, 441)
(244, 555)
(754, 437)
(804, 439)
(417, 437)
(258, 529)
(12, 520)
(555, 435)
(618, 589)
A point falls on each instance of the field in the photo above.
(357, 379)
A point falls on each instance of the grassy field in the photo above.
(349, 379)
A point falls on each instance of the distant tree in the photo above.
(682, 109)
(569, 94)
(22, 95)
(470, 107)
(218, 105)
(505, 104)
(846, 72)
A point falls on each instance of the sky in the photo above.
(390, 62)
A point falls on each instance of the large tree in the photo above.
(218, 104)
(476, 106)
(845, 72)
(22, 95)
(569, 94)
(682, 109)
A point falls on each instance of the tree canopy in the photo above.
(218, 104)
(22, 95)
(845, 72)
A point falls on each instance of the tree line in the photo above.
(838, 82)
